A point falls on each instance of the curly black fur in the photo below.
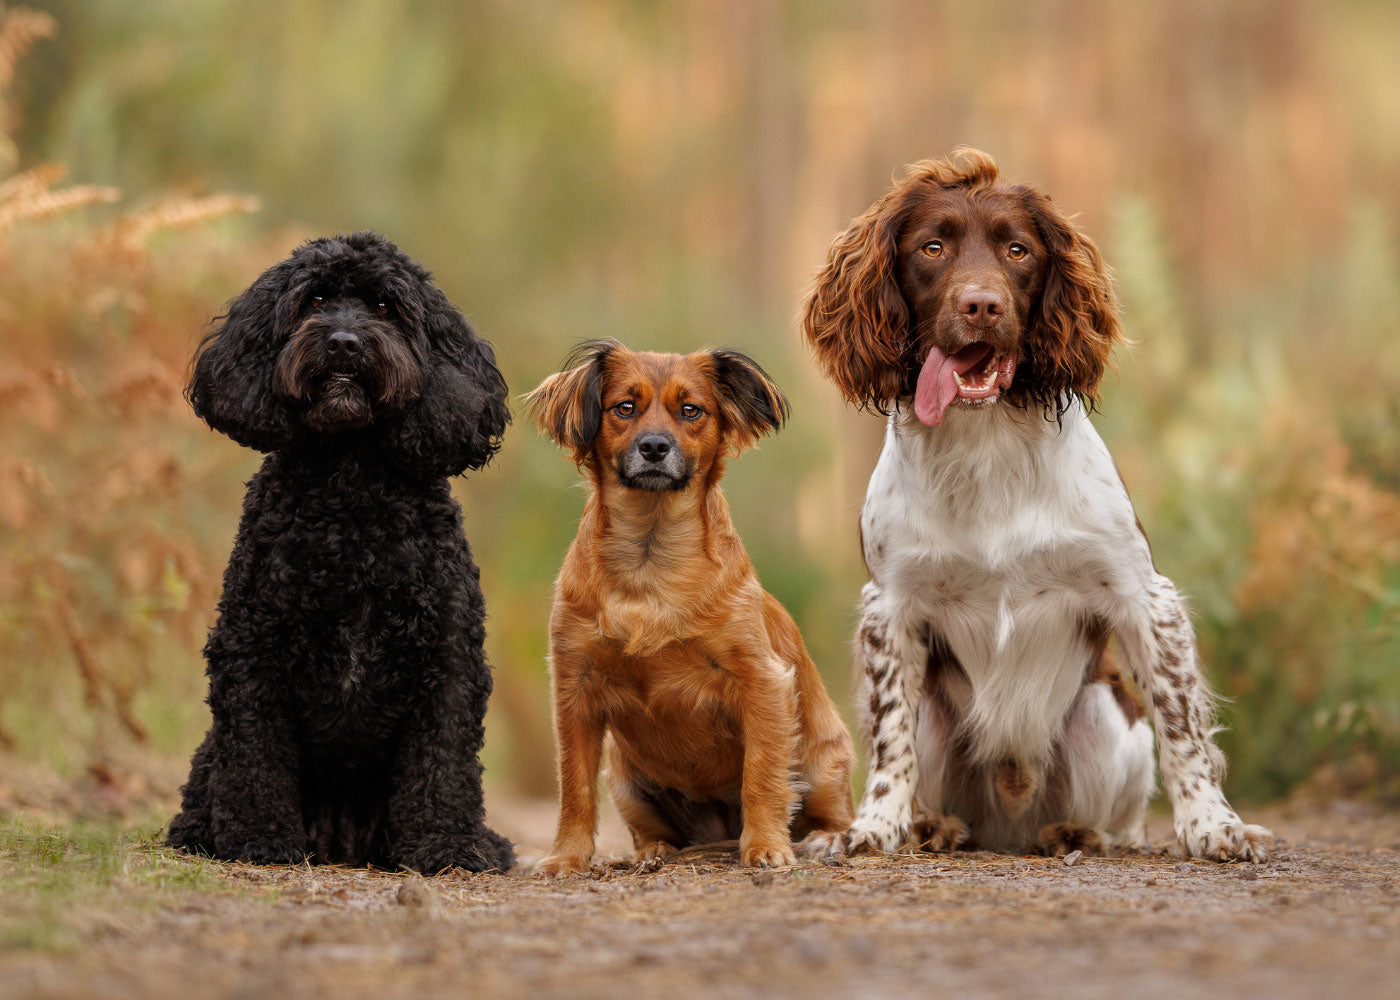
(347, 680)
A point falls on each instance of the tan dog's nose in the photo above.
(655, 447)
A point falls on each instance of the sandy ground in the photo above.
(1322, 919)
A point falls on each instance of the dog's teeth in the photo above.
(958, 379)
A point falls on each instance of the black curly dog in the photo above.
(347, 680)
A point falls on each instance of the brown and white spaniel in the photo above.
(1002, 547)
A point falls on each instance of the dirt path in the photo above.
(1321, 920)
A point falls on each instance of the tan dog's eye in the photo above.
(690, 411)
(1017, 251)
(934, 248)
(625, 408)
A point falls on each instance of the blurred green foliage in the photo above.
(671, 175)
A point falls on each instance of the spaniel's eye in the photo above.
(934, 248)
(1017, 251)
(317, 302)
(625, 408)
(690, 411)
(382, 308)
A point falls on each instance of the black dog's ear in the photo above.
(231, 386)
(461, 414)
(568, 406)
(750, 402)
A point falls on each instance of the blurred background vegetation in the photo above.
(671, 175)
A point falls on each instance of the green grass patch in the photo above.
(62, 884)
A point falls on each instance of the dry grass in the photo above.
(108, 570)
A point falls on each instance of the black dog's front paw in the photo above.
(190, 834)
(268, 852)
(485, 850)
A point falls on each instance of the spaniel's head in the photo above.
(958, 289)
(348, 343)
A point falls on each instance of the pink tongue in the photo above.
(936, 388)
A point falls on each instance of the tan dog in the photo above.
(661, 634)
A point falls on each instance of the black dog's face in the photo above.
(349, 361)
(347, 335)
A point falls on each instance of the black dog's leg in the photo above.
(255, 786)
(436, 810)
(192, 830)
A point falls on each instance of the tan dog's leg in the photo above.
(578, 731)
(652, 836)
(827, 806)
(764, 699)
(828, 757)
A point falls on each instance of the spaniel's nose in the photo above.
(981, 307)
(654, 447)
(343, 345)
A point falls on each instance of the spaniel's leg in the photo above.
(1108, 753)
(893, 658)
(1161, 653)
(933, 829)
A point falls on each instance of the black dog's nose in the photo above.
(654, 447)
(980, 306)
(343, 345)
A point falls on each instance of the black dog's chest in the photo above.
(368, 567)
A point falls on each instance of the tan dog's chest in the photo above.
(667, 714)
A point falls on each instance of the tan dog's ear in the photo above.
(750, 402)
(855, 319)
(1076, 326)
(568, 406)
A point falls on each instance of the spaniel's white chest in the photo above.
(1012, 541)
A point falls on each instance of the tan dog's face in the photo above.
(656, 421)
(659, 421)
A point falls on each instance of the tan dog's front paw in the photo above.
(560, 866)
(1232, 841)
(655, 850)
(766, 853)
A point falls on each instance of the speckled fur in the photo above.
(347, 681)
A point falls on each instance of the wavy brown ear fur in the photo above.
(568, 406)
(855, 318)
(1074, 330)
(750, 402)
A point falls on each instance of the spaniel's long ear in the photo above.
(461, 413)
(750, 402)
(1073, 331)
(231, 384)
(568, 406)
(855, 318)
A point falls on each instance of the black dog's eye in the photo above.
(690, 411)
(934, 248)
(1017, 251)
(624, 408)
(382, 308)
(317, 302)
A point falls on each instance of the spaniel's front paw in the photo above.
(1232, 840)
